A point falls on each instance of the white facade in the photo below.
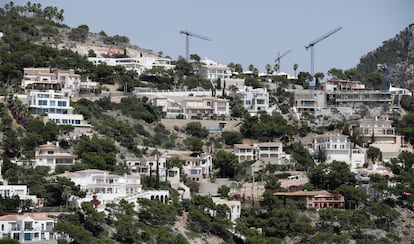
(27, 228)
(234, 207)
(255, 99)
(105, 188)
(139, 64)
(51, 155)
(146, 164)
(55, 79)
(106, 185)
(75, 120)
(40, 102)
(195, 168)
(213, 71)
(170, 107)
(17, 190)
(334, 147)
(205, 106)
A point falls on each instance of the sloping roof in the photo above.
(16, 217)
(304, 193)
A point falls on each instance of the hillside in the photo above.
(397, 52)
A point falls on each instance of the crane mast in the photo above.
(313, 43)
(187, 41)
(279, 57)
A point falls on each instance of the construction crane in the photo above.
(187, 41)
(313, 43)
(279, 57)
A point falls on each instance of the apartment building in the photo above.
(268, 152)
(52, 156)
(28, 227)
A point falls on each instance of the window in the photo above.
(52, 103)
(42, 102)
(61, 103)
(248, 102)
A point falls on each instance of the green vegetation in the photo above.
(30, 35)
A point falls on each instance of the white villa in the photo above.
(44, 102)
(233, 205)
(105, 187)
(212, 70)
(337, 147)
(28, 227)
(56, 107)
(138, 64)
(52, 155)
(18, 190)
(255, 99)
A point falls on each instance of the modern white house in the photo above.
(212, 70)
(255, 100)
(76, 120)
(45, 102)
(170, 107)
(233, 205)
(337, 147)
(268, 152)
(18, 190)
(52, 155)
(27, 228)
(138, 64)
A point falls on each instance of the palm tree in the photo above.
(295, 67)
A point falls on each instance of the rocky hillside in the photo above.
(397, 52)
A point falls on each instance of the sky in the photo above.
(248, 32)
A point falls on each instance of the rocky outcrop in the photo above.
(397, 52)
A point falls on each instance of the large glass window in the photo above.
(61, 103)
(42, 102)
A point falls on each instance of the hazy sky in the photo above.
(248, 32)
